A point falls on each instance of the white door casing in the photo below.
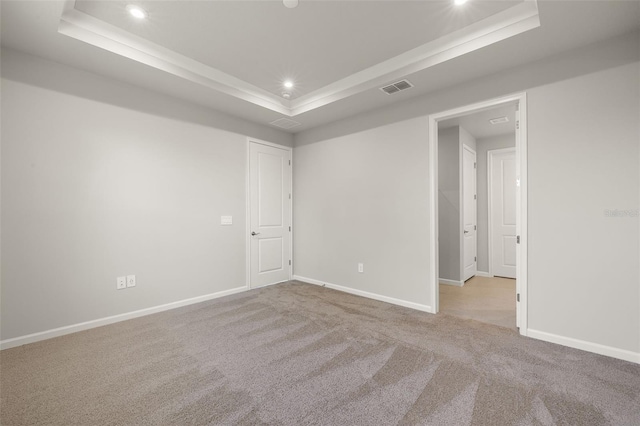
(502, 212)
(520, 99)
(469, 213)
(522, 262)
(269, 214)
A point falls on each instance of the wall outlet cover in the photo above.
(131, 280)
(121, 282)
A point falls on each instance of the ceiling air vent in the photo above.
(396, 87)
(285, 123)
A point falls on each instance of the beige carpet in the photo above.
(297, 354)
(491, 300)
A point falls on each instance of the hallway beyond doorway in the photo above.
(489, 300)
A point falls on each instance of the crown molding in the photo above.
(86, 28)
(508, 23)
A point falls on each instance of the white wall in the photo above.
(467, 139)
(584, 141)
(360, 199)
(451, 141)
(483, 146)
(95, 186)
(584, 136)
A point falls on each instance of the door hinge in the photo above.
(289, 263)
(475, 259)
(475, 165)
(475, 196)
(518, 297)
(289, 162)
(289, 196)
(475, 228)
(518, 239)
(289, 229)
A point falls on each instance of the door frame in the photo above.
(464, 146)
(490, 154)
(521, 197)
(250, 141)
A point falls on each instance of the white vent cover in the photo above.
(499, 120)
(396, 87)
(285, 123)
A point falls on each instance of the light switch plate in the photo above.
(131, 280)
(226, 220)
(121, 282)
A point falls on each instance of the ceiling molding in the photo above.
(86, 28)
(508, 23)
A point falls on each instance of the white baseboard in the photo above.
(586, 346)
(451, 282)
(61, 331)
(483, 274)
(394, 301)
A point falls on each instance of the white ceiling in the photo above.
(478, 123)
(321, 44)
(264, 43)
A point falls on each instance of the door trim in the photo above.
(247, 185)
(521, 207)
(490, 155)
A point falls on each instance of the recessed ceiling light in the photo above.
(288, 84)
(290, 3)
(136, 11)
(459, 2)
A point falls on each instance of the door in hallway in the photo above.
(502, 202)
(469, 213)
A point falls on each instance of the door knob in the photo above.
(255, 233)
(466, 232)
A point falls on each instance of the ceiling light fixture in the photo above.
(290, 4)
(288, 84)
(136, 11)
(459, 2)
(286, 95)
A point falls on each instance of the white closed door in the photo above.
(469, 213)
(502, 202)
(270, 214)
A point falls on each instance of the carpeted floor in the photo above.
(491, 300)
(298, 354)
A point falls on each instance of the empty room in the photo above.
(310, 212)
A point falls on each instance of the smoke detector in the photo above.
(499, 120)
(396, 87)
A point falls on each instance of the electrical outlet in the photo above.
(361, 267)
(131, 280)
(121, 282)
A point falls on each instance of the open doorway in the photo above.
(480, 188)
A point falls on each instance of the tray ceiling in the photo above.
(331, 49)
